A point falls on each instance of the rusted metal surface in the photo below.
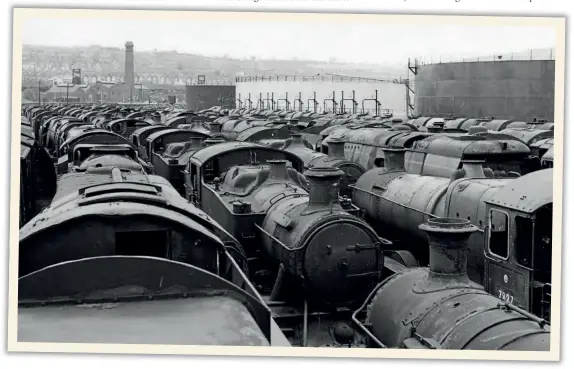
(454, 124)
(125, 127)
(297, 147)
(457, 146)
(85, 200)
(257, 133)
(443, 306)
(217, 311)
(527, 193)
(237, 153)
(467, 199)
(140, 136)
(159, 140)
(351, 171)
(312, 236)
(548, 158)
(97, 136)
(528, 136)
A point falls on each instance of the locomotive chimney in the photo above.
(278, 170)
(323, 185)
(448, 242)
(473, 168)
(296, 139)
(336, 148)
(129, 67)
(214, 127)
(196, 142)
(394, 159)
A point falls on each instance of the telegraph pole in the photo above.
(39, 98)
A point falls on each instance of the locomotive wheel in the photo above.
(404, 257)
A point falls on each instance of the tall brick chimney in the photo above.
(129, 71)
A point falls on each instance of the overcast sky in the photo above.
(284, 40)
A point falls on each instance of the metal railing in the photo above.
(318, 78)
(527, 55)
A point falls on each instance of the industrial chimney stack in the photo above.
(129, 71)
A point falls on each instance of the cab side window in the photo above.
(498, 234)
(524, 241)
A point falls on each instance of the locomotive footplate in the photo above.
(315, 328)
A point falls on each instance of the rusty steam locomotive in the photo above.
(175, 218)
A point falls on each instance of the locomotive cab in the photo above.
(97, 156)
(518, 243)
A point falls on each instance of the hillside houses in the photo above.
(96, 92)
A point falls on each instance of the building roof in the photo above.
(62, 88)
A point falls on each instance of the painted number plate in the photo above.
(505, 296)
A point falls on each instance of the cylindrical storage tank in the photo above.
(517, 90)
(442, 306)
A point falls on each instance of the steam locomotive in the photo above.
(266, 248)
(439, 307)
(510, 254)
(115, 238)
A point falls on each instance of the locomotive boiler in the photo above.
(510, 254)
(333, 253)
(439, 307)
(310, 239)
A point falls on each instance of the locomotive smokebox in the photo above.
(323, 185)
(448, 242)
(336, 148)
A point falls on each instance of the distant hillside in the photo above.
(49, 62)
